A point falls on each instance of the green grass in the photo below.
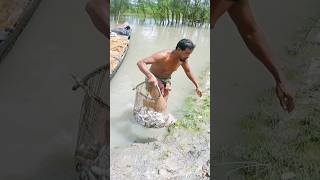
(279, 145)
(165, 155)
(195, 112)
(283, 144)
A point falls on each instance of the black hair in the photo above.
(185, 43)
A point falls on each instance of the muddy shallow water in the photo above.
(147, 39)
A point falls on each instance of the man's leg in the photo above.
(165, 96)
(167, 90)
(163, 89)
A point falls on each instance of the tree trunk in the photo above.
(172, 17)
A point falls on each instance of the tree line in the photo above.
(169, 12)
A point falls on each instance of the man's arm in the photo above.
(218, 8)
(190, 75)
(142, 64)
(98, 12)
(243, 18)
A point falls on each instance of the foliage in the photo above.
(196, 111)
(169, 12)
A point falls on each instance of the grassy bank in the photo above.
(195, 114)
(183, 154)
(281, 145)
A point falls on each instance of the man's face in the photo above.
(184, 54)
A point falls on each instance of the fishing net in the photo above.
(150, 107)
(93, 134)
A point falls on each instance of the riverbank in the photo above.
(184, 153)
(281, 145)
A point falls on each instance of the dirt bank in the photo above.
(183, 154)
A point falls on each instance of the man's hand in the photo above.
(199, 92)
(168, 86)
(285, 97)
(152, 80)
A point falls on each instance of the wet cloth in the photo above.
(164, 85)
(122, 31)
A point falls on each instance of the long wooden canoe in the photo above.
(119, 46)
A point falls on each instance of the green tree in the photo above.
(118, 7)
(188, 12)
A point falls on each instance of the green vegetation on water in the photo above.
(196, 111)
(188, 12)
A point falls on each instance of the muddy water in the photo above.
(147, 39)
(39, 112)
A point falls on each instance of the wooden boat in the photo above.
(14, 15)
(119, 45)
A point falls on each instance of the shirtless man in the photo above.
(241, 14)
(164, 63)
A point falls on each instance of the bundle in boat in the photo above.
(113, 64)
(118, 45)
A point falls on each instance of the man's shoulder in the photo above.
(162, 54)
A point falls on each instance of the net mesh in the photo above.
(150, 107)
(150, 97)
(93, 133)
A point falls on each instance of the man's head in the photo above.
(184, 48)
